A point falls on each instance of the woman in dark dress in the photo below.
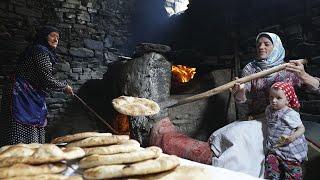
(23, 107)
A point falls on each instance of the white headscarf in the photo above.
(277, 54)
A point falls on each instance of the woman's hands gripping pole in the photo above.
(68, 90)
(239, 92)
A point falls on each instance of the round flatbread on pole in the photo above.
(134, 106)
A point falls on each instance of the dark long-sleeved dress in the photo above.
(36, 69)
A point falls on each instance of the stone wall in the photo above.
(93, 34)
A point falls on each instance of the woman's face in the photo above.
(264, 48)
(53, 39)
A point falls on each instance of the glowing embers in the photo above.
(182, 73)
(121, 124)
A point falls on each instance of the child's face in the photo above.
(278, 99)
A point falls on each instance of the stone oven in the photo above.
(149, 75)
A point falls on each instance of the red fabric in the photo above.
(288, 90)
(165, 136)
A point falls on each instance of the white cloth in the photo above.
(239, 147)
(211, 173)
(216, 173)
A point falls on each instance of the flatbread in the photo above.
(30, 170)
(123, 146)
(98, 141)
(47, 153)
(131, 157)
(16, 151)
(73, 153)
(32, 146)
(160, 164)
(46, 177)
(77, 136)
(134, 106)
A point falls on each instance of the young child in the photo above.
(286, 144)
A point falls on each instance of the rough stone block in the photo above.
(85, 76)
(91, 10)
(99, 55)
(77, 70)
(68, 5)
(64, 25)
(62, 9)
(55, 100)
(92, 44)
(150, 47)
(95, 75)
(83, 17)
(81, 52)
(89, 4)
(55, 106)
(64, 67)
(70, 15)
(58, 95)
(74, 76)
(86, 70)
(78, 2)
(75, 64)
(109, 56)
(108, 41)
(93, 65)
(61, 75)
(81, 22)
(83, 8)
(54, 111)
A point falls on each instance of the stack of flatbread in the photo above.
(36, 161)
(117, 156)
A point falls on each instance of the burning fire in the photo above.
(183, 73)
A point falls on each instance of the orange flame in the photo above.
(183, 73)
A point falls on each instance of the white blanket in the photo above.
(239, 147)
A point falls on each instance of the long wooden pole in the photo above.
(229, 85)
(96, 114)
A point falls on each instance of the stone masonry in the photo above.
(93, 34)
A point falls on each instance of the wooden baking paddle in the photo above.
(220, 89)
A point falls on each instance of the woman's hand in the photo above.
(68, 90)
(297, 67)
(239, 92)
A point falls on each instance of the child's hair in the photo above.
(290, 93)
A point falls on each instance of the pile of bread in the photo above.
(115, 156)
(100, 156)
(36, 161)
